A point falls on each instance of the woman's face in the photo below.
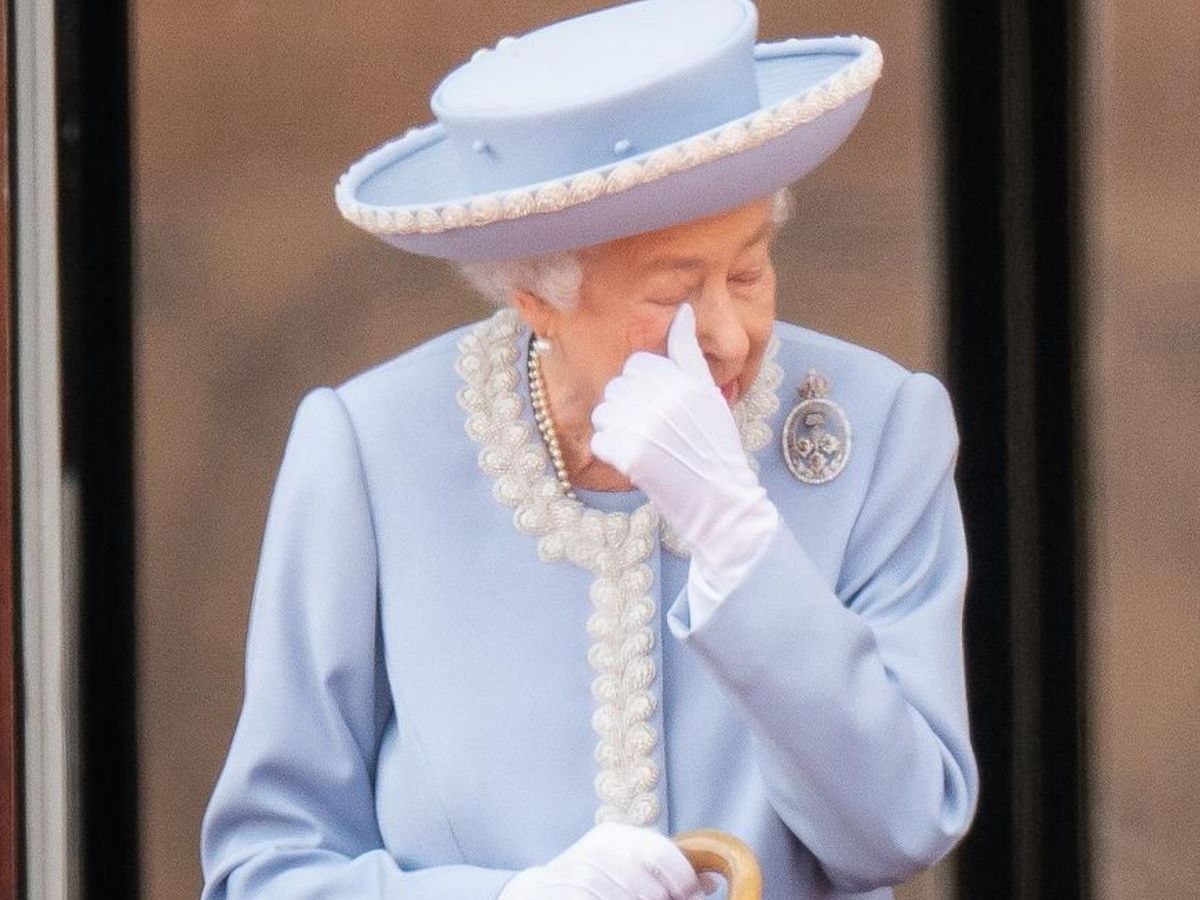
(633, 286)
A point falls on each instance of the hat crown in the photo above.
(602, 87)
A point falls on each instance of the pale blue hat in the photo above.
(617, 122)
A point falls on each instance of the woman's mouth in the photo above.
(730, 391)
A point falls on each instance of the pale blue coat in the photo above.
(417, 712)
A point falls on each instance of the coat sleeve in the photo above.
(293, 812)
(854, 694)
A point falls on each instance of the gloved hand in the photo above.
(666, 426)
(611, 862)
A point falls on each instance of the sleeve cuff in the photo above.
(705, 593)
(702, 599)
(782, 574)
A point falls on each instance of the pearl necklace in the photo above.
(541, 415)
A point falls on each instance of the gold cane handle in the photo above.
(709, 850)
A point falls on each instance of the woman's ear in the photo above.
(539, 314)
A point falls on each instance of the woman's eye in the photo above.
(748, 277)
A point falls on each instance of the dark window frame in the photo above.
(96, 316)
(1013, 238)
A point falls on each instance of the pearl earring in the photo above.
(542, 345)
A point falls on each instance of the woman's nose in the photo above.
(720, 332)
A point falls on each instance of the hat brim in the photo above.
(413, 194)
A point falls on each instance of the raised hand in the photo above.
(664, 423)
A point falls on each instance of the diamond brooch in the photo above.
(816, 433)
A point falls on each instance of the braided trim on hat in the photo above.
(554, 196)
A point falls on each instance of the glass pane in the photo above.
(1145, 349)
(251, 289)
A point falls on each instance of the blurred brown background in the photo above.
(1144, 337)
(251, 289)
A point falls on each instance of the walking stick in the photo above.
(709, 850)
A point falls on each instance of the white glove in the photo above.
(611, 862)
(666, 426)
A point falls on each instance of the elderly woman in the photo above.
(546, 590)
